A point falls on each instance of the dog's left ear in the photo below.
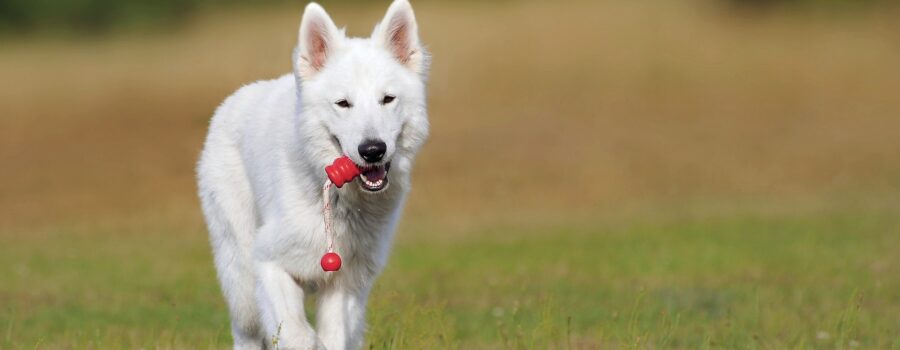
(399, 34)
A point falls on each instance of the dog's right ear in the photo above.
(319, 37)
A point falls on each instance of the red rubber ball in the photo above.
(331, 262)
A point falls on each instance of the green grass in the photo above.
(751, 282)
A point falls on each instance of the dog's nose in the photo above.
(372, 150)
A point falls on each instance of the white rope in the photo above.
(326, 212)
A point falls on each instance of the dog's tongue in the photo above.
(374, 174)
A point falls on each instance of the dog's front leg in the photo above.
(341, 317)
(281, 305)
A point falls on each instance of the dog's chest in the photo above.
(363, 231)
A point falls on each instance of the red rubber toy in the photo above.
(342, 171)
(331, 262)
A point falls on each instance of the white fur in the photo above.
(261, 172)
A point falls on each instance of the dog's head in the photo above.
(368, 94)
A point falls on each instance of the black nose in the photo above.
(372, 150)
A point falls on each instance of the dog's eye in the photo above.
(343, 104)
(387, 99)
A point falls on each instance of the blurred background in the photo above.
(645, 174)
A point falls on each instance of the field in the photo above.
(814, 281)
(695, 178)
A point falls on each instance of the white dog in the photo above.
(261, 174)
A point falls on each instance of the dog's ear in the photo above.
(319, 37)
(398, 32)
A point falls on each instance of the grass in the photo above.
(821, 280)
(730, 282)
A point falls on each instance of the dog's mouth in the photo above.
(373, 178)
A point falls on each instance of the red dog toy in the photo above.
(342, 171)
(331, 261)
